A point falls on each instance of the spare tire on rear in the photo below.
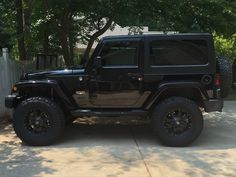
(224, 68)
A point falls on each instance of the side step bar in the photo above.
(108, 113)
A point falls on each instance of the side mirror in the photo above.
(98, 62)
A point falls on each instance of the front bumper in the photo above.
(213, 105)
(10, 101)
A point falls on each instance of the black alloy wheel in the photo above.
(177, 121)
(38, 121)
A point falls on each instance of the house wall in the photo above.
(118, 30)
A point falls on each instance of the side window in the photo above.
(122, 53)
(178, 52)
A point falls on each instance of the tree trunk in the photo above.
(45, 42)
(65, 48)
(20, 30)
(93, 38)
(64, 30)
(71, 47)
(88, 49)
(71, 42)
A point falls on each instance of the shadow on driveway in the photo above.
(124, 150)
(17, 159)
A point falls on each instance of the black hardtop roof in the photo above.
(157, 35)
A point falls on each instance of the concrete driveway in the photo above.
(124, 150)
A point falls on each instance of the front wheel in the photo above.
(38, 121)
(177, 121)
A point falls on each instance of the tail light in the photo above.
(217, 80)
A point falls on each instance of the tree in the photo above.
(4, 37)
(225, 46)
(6, 22)
(99, 16)
(20, 29)
(55, 26)
(91, 29)
(190, 16)
(60, 16)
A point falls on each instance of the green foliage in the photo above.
(225, 46)
(190, 16)
(6, 24)
(44, 20)
(135, 30)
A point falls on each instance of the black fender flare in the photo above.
(69, 101)
(177, 84)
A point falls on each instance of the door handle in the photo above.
(135, 76)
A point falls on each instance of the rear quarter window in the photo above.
(178, 52)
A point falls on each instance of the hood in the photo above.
(50, 73)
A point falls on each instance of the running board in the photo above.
(108, 113)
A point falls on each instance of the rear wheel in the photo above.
(38, 121)
(177, 121)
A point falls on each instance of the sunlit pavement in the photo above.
(124, 150)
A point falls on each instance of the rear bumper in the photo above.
(10, 101)
(213, 105)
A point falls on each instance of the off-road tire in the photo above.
(189, 135)
(46, 105)
(224, 68)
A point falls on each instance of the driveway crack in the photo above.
(140, 152)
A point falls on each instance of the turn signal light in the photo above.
(14, 88)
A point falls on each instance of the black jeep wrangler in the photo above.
(169, 79)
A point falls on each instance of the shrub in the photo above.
(225, 46)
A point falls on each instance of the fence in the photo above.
(10, 72)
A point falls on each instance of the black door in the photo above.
(119, 81)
